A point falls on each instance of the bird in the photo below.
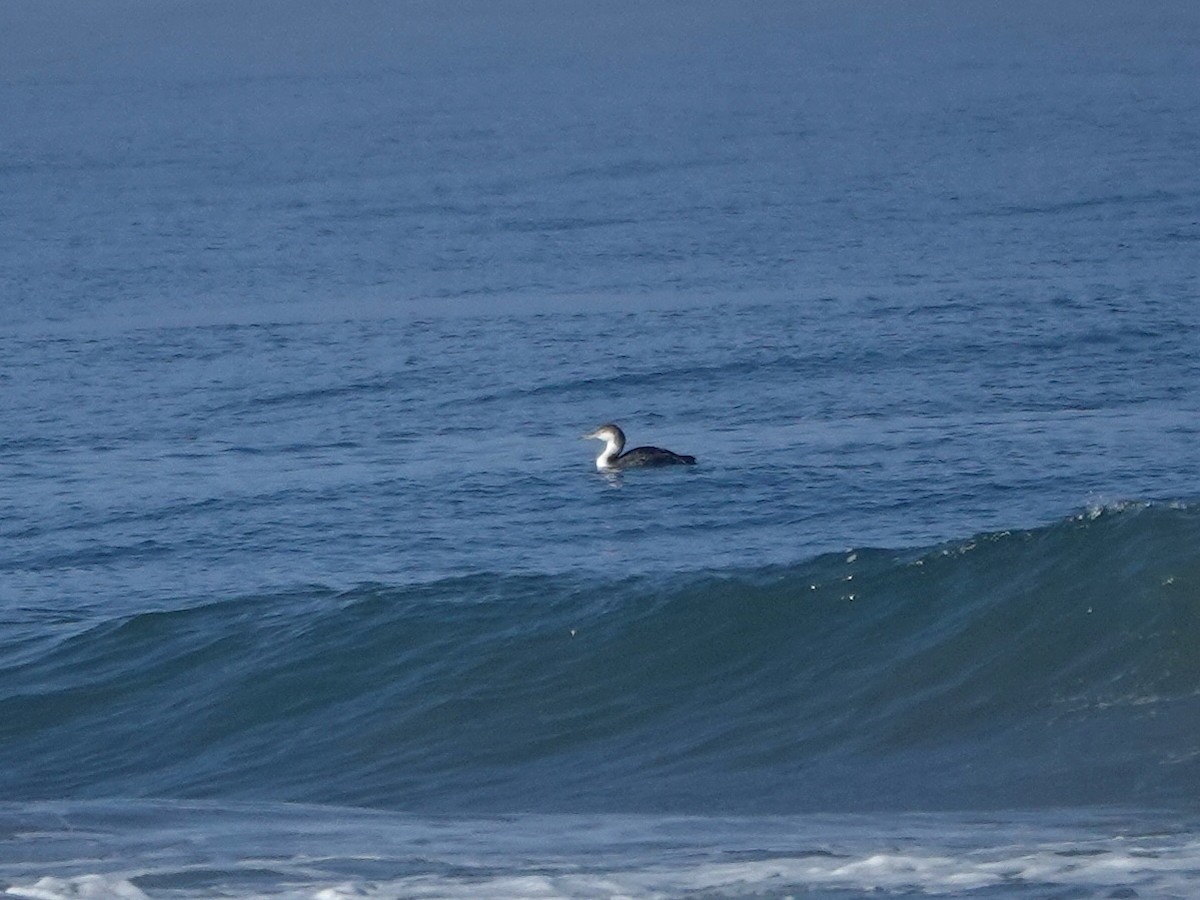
(611, 457)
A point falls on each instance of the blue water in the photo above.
(309, 586)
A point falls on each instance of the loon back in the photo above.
(640, 457)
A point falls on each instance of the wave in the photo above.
(1055, 666)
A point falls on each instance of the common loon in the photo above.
(611, 456)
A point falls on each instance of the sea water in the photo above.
(309, 586)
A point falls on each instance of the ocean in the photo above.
(309, 584)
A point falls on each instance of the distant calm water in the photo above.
(309, 586)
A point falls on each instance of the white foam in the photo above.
(377, 856)
(888, 873)
(83, 887)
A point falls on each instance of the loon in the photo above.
(611, 456)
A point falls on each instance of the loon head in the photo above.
(614, 442)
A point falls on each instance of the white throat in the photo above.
(610, 452)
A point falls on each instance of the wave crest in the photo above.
(1056, 665)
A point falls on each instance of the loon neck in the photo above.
(612, 449)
